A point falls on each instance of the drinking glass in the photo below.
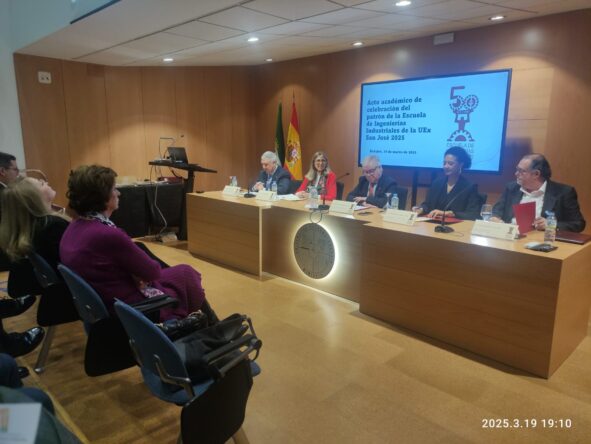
(486, 212)
(388, 201)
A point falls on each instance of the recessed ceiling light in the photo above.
(253, 39)
(403, 3)
(167, 59)
(357, 44)
(268, 60)
(494, 18)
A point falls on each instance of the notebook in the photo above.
(177, 154)
(573, 238)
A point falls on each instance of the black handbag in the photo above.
(178, 328)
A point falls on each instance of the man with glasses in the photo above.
(372, 186)
(533, 184)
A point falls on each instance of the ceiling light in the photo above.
(167, 59)
(268, 60)
(357, 44)
(494, 18)
(403, 3)
(253, 39)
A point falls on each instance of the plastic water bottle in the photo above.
(274, 186)
(550, 232)
(313, 198)
(233, 181)
(394, 204)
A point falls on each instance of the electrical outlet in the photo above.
(44, 77)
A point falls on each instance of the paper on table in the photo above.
(289, 197)
(360, 207)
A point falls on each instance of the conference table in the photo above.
(524, 308)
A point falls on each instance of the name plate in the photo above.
(266, 196)
(400, 217)
(495, 229)
(229, 190)
(342, 207)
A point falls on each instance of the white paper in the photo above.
(495, 229)
(289, 197)
(19, 422)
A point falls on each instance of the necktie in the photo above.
(372, 190)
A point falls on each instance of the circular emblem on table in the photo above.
(314, 250)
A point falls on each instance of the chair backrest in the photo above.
(151, 348)
(483, 198)
(340, 189)
(402, 194)
(294, 185)
(89, 304)
(56, 305)
(43, 271)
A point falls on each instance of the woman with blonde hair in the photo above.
(320, 176)
(29, 224)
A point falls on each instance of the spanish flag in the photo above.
(293, 154)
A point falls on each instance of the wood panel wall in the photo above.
(225, 116)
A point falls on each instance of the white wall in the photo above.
(11, 139)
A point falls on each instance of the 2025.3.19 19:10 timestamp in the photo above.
(526, 423)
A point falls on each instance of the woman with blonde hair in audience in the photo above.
(106, 257)
(29, 224)
(319, 176)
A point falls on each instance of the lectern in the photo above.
(191, 168)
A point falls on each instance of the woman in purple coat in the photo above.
(106, 257)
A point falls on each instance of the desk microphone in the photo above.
(442, 228)
(249, 192)
(323, 206)
(343, 175)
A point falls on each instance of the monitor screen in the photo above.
(411, 122)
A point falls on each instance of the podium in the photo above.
(191, 169)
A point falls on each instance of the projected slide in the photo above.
(410, 123)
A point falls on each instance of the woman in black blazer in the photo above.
(453, 193)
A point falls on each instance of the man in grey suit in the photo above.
(272, 172)
(533, 184)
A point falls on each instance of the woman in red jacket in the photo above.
(320, 176)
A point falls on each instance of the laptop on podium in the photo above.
(177, 154)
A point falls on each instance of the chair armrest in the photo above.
(156, 303)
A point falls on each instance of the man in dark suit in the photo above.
(272, 172)
(372, 186)
(533, 184)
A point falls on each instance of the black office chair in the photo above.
(483, 198)
(294, 185)
(107, 349)
(56, 306)
(213, 406)
(340, 189)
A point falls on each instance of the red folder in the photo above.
(525, 213)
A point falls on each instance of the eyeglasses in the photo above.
(521, 171)
(370, 172)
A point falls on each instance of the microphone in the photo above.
(249, 192)
(442, 228)
(343, 175)
(323, 207)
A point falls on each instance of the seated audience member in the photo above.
(372, 186)
(16, 344)
(29, 224)
(533, 184)
(319, 176)
(272, 172)
(453, 193)
(107, 258)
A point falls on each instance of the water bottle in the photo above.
(313, 198)
(274, 186)
(550, 232)
(394, 204)
(233, 181)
